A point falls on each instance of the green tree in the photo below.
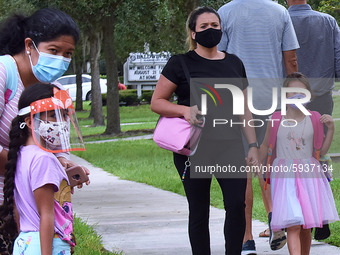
(88, 15)
(14, 6)
(331, 7)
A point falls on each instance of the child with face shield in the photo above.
(35, 48)
(35, 180)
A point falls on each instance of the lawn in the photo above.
(335, 148)
(134, 120)
(133, 159)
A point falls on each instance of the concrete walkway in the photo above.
(139, 219)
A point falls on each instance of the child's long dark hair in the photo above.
(18, 137)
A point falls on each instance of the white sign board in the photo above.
(146, 67)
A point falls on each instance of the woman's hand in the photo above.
(252, 158)
(191, 114)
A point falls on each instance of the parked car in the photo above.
(69, 82)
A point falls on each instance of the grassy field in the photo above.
(133, 159)
(335, 148)
(134, 120)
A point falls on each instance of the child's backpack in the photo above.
(12, 77)
(318, 137)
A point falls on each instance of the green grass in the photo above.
(337, 86)
(336, 108)
(88, 242)
(128, 114)
(140, 113)
(141, 116)
(335, 147)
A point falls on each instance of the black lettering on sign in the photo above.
(142, 72)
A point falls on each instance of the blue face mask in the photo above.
(297, 96)
(49, 67)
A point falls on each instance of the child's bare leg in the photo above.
(293, 238)
(306, 241)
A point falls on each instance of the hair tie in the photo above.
(22, 125)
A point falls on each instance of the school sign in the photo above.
(144, 69)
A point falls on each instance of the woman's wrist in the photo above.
(183, 110)
(253, 145)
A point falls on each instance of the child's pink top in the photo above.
(36, 168)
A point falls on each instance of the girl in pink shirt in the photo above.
(35, 180)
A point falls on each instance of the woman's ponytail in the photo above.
(42, 26)
(12, 35)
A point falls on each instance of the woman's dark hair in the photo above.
(297, 76)
(42, 26)
(18, 137)
(191, 22)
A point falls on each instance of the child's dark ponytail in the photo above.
(18, 137)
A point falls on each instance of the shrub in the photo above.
(128, 97)
(147, 95)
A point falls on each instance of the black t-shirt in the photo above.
(230, 67)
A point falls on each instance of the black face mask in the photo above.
(209, 38)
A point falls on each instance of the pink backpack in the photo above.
(317, 144)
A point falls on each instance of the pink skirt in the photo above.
(301, 194)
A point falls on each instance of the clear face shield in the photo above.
(55, 126)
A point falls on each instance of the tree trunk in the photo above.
(191, 5)
(78, 70)
(113, 118)
(96, 102)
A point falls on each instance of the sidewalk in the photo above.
(139, 219)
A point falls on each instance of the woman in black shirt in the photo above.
(220, 145)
